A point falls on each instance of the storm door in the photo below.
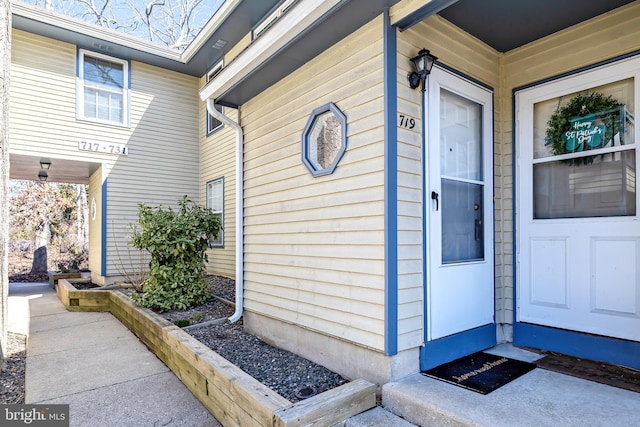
(459, 216)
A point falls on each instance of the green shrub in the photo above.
(177, 242)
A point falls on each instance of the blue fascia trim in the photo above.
(103, 257)
(443, 350)
(390, 188)
(579, 344)
(431, 8)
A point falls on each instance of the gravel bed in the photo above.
(288, 374)
(12, 377)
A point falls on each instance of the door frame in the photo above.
(448, 348)
(575, 343)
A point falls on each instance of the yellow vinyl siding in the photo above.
(314, 247)
(218, 159)
(162, 165)
(95, 227)
(162, 138)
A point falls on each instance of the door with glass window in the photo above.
(459, 220)
(578, 242)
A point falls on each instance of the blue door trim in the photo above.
(579, 344)
(443, 350)
(390, 188)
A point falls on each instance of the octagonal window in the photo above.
(324, 140)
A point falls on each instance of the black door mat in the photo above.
(601, 372)
(480, 372)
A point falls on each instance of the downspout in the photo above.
(239, 208)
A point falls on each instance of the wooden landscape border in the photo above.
(232, 396)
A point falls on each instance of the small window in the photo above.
(272, 18)
(215, 202)
(324, 140)
(214, 124)
(103, 89)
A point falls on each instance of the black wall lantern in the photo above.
(423, 64)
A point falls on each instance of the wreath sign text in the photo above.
(587, 122)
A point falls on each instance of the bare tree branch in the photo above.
(173, 23)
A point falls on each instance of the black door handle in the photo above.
(434, 196)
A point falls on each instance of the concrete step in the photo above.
(537, 399)
(376, 417)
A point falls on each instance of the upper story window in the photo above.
(272, 18)
(214, 124)
(103, 88)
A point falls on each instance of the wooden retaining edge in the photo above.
(81, 300)
(232, 396)
(54, 276)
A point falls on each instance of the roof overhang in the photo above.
(306, 30)
(309, 28)
(228, 25)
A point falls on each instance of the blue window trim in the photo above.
(390, 187)
(206, 192)
(330, 107)
(580, 344)
(127, 99)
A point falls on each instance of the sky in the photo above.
(172, 23)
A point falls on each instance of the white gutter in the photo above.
(239, 208)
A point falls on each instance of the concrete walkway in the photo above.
(97, 366)
(109, 378)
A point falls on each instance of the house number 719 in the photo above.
(407, 122)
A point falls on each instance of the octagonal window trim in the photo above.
(310, 140)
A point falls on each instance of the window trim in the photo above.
(220, 212)
(126, 87)
(306, 160)
(209, 119)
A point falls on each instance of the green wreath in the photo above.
(562, 121)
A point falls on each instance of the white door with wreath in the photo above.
(578, 234)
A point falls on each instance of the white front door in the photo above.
(460, 282)
(578, 242)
